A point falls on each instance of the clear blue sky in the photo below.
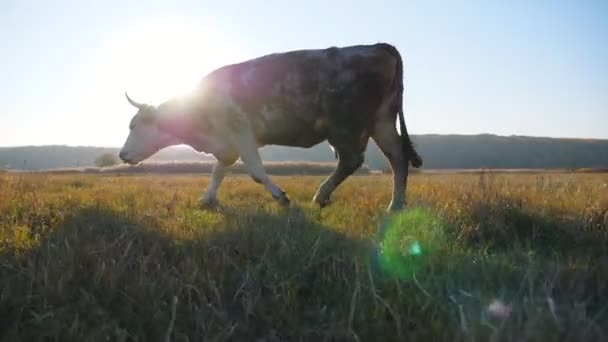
(502, 67)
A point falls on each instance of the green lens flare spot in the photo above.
(415, 248)
(408, 241)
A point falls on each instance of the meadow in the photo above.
(478, 257)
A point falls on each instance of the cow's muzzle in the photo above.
(126, 158)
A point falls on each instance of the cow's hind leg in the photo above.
(349, 161)
(390, 143)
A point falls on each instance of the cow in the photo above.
(299, 98)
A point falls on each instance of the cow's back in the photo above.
(298, 98)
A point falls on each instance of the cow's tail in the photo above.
(408, 148)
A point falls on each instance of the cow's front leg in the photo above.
(209, 198)
(251, 158)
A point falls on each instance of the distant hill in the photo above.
(438, 151)
(52, 156)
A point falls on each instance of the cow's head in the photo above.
(145, 137)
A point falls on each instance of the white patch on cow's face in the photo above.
(145, 138)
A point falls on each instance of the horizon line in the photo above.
(412, 135)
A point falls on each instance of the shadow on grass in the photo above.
(506, 224)
(101, 274)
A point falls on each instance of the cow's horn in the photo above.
(135, 104)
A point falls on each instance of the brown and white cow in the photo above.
(299, 98)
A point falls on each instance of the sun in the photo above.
(160, 59)
(153, 59)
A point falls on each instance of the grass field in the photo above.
(132, 258)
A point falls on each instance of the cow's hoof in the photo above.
(283, 199)
(322, 203)
(395, 208)
(208, 203)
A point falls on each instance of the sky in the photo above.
(536, 68)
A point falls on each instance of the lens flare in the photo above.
(415, 248)
(407, 242)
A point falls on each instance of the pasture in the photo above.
(476, 257)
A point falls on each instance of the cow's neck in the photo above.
(178, 121)
(187, 131)
(188, 124)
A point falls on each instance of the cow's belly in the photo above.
(292, 131)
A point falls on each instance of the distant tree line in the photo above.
(438, 152)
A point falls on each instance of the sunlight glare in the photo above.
(162, 60)
(153, 61)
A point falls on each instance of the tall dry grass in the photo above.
(133, 258)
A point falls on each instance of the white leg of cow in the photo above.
(210, 196)
(390, 143)
(251, 158)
